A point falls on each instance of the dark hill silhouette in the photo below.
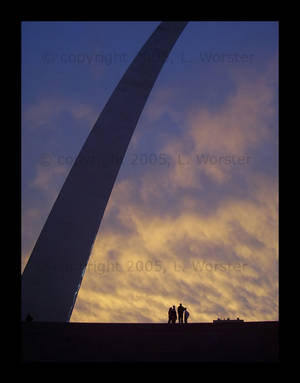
(113, 342)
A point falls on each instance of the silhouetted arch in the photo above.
(53, 274)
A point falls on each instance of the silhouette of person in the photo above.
(186, 315)
(173, 315)
(180, 310)
(170, 314)
(29, 318)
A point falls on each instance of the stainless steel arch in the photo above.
(53, 274)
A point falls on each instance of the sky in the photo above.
(193, 215)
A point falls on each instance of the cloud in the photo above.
(46, 111)
(217, 266)
(44, 187)
(48, 179)
(219, 141)
(46, 125)
(203, 233)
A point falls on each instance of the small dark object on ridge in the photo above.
(29, 318)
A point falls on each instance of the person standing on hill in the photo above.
(180, 310)
(170, 315)
(173, 315)
(186, 315)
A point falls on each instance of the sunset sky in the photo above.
(193, 216)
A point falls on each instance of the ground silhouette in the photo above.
(136, 342)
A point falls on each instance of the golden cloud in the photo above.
(204, 234)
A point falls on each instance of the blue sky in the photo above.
(217, 97)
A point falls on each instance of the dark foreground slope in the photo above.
(108, 342)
